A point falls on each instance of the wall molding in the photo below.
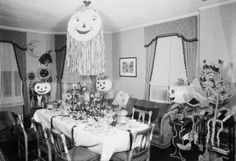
(29, 30)
(160, 21)
(36, 31)
(217, 5)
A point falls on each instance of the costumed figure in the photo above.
(43, 74)
(218, 93)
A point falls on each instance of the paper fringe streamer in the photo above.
(86, 58)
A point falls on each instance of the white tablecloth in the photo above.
(104, 141)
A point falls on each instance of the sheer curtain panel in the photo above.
(168, 67)
(190, 58)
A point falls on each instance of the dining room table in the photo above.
(98, 134)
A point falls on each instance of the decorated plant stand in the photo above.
(177, 139)
(218, 93)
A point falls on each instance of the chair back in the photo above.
(3, 157)
(141, 141)
(40, 131)
(143, 116)
(43, 138)
(60, 146)
(19, 124)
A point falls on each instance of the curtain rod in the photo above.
(168, 35)
(22, 48)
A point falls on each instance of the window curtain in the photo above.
(60, 46)
(168, 67)
(1, 94)
(60, 62)
(18, 39)
(20, 55)
(10, 93)
(190, 58)
(150, 50)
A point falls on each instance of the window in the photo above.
(11, 86)
(168, 67)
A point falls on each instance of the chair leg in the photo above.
(49, 154)
(26, 151)
(19, 149)
(148, 159)
(39, 153)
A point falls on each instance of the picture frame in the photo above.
(128, 67)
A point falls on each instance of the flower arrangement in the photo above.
(76, 94)
(79, 100)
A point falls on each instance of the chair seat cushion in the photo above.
(123, 156)
(82, 154)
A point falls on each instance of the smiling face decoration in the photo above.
(84, 25)
(42, 88)
(85, 52)
(103, 85)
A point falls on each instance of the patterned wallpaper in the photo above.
(186, 26)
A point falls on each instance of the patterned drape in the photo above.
(60, 41)
(60, 61)
(150, 51)
(190, 58)
(21, 64)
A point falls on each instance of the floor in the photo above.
(10, 149)
(164, 154)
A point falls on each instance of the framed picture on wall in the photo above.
(128, 67)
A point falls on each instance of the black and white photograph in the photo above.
(117, 80)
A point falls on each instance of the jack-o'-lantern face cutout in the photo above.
(179, 94)
(42, 87)
(103, 85)
(84, 25)
(44, 73)
(31, 76)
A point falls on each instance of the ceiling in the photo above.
(51, 16)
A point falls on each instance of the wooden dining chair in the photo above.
(78, 153)
(26, 139)
(139, 148)
(141, 115)
(43, 141)
(3, 156)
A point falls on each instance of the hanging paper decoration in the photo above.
(85, 43)
(46, 58)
